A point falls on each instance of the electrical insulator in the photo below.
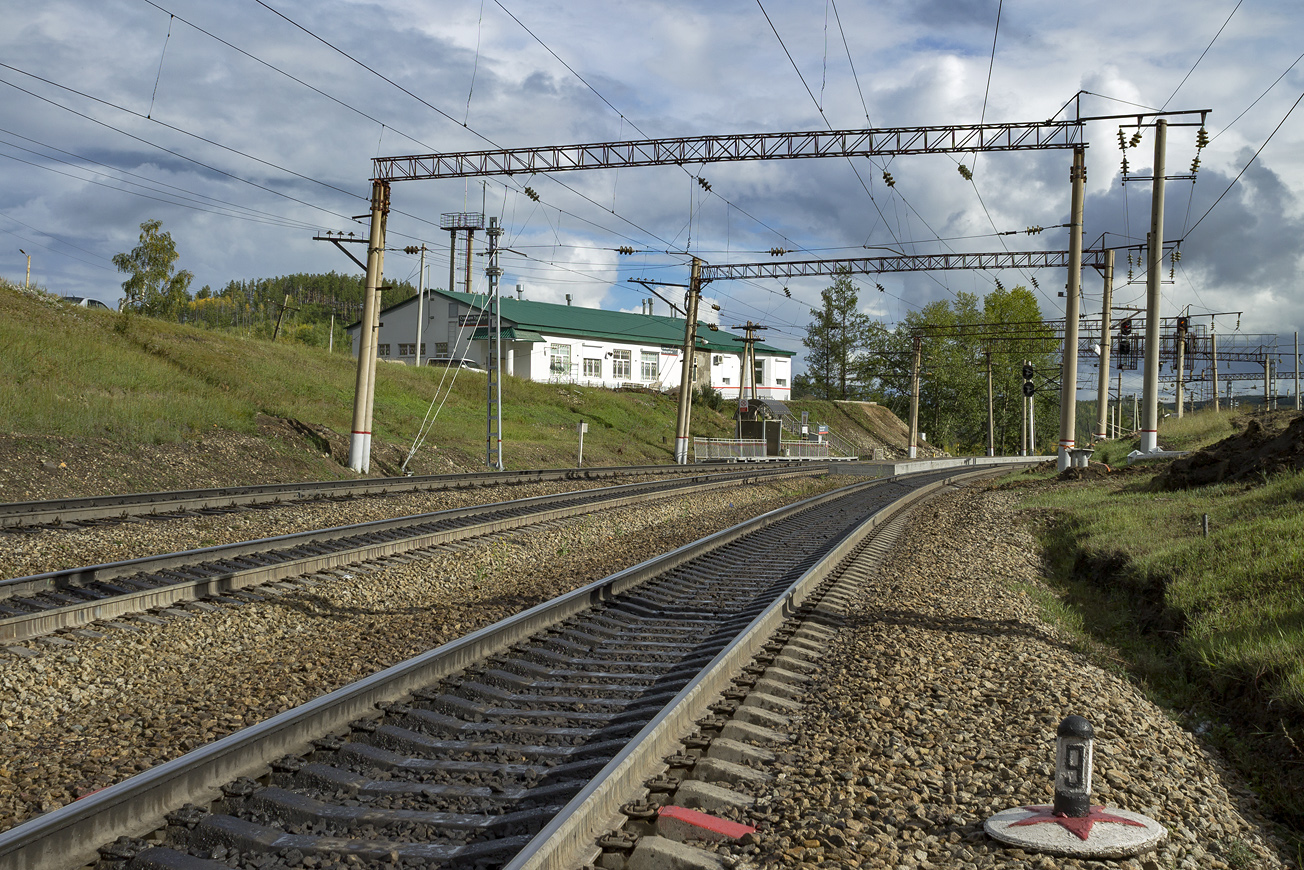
(880, 288)
(625, 249)
(532, 193)
(787, 292)
(1201, 138)
(704, 184)
(1122, 140)
(1035, 285)
(1176, 255)
(965, 172)
(411, 249)
(713, 327)
(999, 285)
(888, 179)
(1195, 165)
(1129, 274)
(778, 252)
(1136, 139)
(1032, 231)
(1125, 166)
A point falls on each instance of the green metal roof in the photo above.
(537, 317)
(510, 333)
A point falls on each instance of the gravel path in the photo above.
(85, 716)
(937, 708)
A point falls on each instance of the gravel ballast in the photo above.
(936, 707)
(85, 715)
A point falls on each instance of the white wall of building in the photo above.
(597, 362)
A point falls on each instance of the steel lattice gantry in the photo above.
(942, 139)
(901, 263)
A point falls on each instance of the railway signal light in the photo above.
(1124, 348)
(1183, 324)
(1125, 326)
(1028, 371)
(1029, 390)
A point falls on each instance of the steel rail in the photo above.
(68, 837)
(60, 510)
(395, 536)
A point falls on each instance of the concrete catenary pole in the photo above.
(682, 419)
(1106, 330)
(452, 271)
(470, 245)
(1069, 374)
(421, 302)
(494, 441)
(1180, 353)
(991, 413)
(360, 438)
(1155, 257)
(914, 400)
(1023, 426)
(1213, 356)
(1297, 403)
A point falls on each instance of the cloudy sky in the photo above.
(247, 127)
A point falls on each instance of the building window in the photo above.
(781, 382)
(621, 364)
(382, 350)
(760, 373)
(649, 366)
(592, 368)
(407, 350)
(559, 358)
(441, 348)
(452, 309)
(724, 381)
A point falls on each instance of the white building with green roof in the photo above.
(554, 343)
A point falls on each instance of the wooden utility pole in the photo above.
(285, 306)
(682, 419)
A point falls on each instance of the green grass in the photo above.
(1211, 627)
(78, 373)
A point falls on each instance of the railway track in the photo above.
(75, 512)
(513, 746)
(41, 604)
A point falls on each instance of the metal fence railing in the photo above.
(804, 449)
(707, 449)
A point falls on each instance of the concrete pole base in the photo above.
(1103, 833)
(1149, 441)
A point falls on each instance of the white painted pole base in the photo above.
(1062, 458)
(360, 452)
(681, 451)
(1149, 441)
(913, 451)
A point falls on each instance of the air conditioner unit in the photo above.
(717, 360)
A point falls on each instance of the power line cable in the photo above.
(1202, 54)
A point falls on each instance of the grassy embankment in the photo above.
(1212, 627)
(75, 373)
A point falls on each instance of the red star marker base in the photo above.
(1102, 833)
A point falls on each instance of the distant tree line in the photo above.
(252, 306)
(852, 356)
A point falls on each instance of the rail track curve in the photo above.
(510, 747)
(40, 604)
